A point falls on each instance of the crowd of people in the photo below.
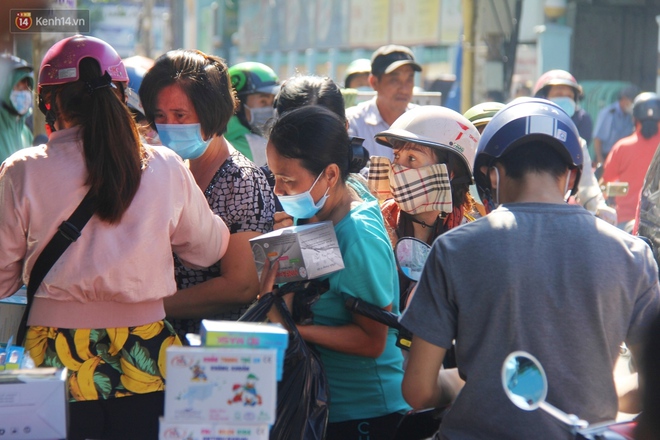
(181, 161)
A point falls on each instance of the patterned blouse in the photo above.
(240, 194)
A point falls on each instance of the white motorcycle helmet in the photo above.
(436, 127)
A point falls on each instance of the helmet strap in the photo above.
(497, 190)
(47, 110)
(566, 191)
(460, 180)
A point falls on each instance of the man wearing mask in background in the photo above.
(631, 156)
(256, 85)
(560, 87)
(614, 122)
(16, 89)
(393, 78)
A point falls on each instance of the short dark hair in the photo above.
(310, 90)
(533, 156)
(314, 135)
(204, 79)
(648, 128)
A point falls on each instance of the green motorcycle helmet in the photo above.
(252, 77)
(481, 114)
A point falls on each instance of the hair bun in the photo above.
(358, 155)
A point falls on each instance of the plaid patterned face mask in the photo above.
(415, 190)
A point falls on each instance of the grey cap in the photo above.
(629, 92)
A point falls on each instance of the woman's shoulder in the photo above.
(364, 221)
(241, 168)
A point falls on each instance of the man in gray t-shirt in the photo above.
(536, 275)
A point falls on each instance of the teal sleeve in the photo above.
(370, 271)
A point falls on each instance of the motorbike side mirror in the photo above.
(526, 385)
(524, 380)
(410, 256)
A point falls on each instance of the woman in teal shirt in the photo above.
(308, 153)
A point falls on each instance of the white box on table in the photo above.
(33, 404)
(211, 431)
(11, 312)
(223, 385)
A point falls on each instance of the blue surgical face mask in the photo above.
(302, 205)
(184, 139)
(567, 104)
(21, 100)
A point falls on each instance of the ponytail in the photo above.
(113, 153)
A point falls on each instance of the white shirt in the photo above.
(365, 121)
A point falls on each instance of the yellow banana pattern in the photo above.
(105, 363)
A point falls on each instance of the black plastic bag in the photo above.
(302, 394)
(306, 294)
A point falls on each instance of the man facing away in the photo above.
(393, 78)
(540, 275)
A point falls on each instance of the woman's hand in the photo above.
(282, 220)
(268, 276)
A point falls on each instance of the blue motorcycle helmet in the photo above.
(520, 122)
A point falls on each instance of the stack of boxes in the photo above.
(11, 312)
(225, 389)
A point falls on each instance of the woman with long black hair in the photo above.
(99, 311)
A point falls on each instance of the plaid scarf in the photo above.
(414, 189)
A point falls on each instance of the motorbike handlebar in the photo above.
(389, 319)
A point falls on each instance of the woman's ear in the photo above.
(332, 174)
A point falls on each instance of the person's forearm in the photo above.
(349, 339)
(598, 151)
(628, 385)
(449, 384)
(211, 297)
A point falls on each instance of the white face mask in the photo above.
(21, 100)
(260, 116)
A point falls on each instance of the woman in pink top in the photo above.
(99, 311)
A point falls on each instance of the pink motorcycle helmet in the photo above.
(60, 64)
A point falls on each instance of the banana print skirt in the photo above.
(105, 363)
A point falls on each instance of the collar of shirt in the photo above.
(372, 115)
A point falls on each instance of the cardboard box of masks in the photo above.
(33, 404)
(210, 431)
(304, 252)
(236, 334)
(231, 386)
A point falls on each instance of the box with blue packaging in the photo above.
(233, 334)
